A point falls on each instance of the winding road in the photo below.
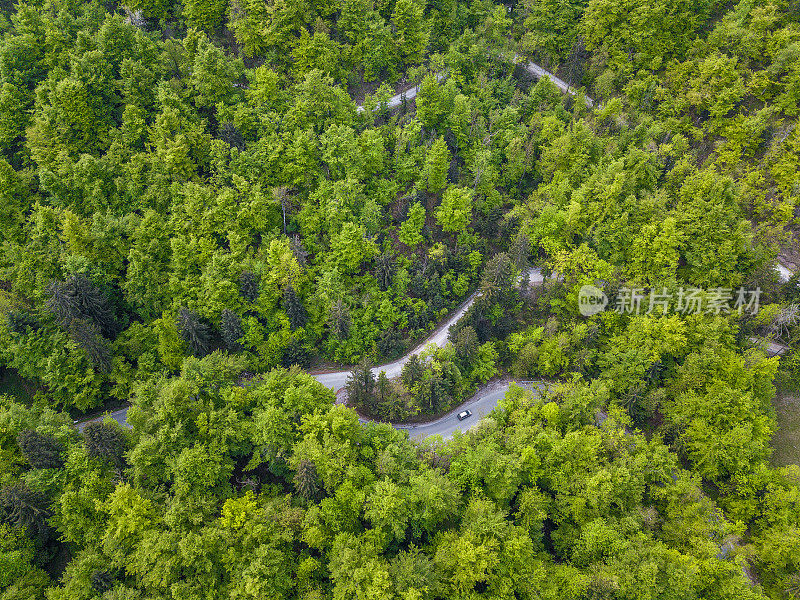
(531, 67)
(481, 404)
(487, 397)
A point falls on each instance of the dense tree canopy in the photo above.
(200, 200)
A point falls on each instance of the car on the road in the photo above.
(464, 414)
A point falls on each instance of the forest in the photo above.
(202, 202)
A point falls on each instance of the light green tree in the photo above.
(455, 211)
(437, 162)
(411, 229)
(411, 36)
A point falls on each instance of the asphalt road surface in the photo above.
(484, 402)
(337, 380)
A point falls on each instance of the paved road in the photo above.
(485, 400)
(540, 72)
(481, 404)
(534, 69)
(120, 416)
(337, 380)
(397, 99)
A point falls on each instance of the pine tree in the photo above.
(26, 509)
(248, 286)
(340, 319)
(412, 371)
(361, 386)
(20, 321)
(520, 251)
(63, 302)
(385, 267)
(87, 336)
(299, 251)
(231, 330)
(41, 451)
(101, 580)
(306, 481)
(106, 443)
(498, 281)
(390, 344)
(79, 298)
(294, 308)
(295, 354)
(466, 345)
(384, 396)
(194, 332)
(229, 134)
(439, 398)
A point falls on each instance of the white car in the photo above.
(464, 414)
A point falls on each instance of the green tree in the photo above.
(551, 26)
(437, 162)
(641, 30)
(350, 248)
(40, 450)
(411, 229)
(194, 332)
(455, 211)
(411, 37)
(205, 15)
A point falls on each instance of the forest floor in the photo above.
(786, 441)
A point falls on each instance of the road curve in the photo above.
(540, 72)
(397, 99)
(481, 404)
(338, 380)
(486, 398)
